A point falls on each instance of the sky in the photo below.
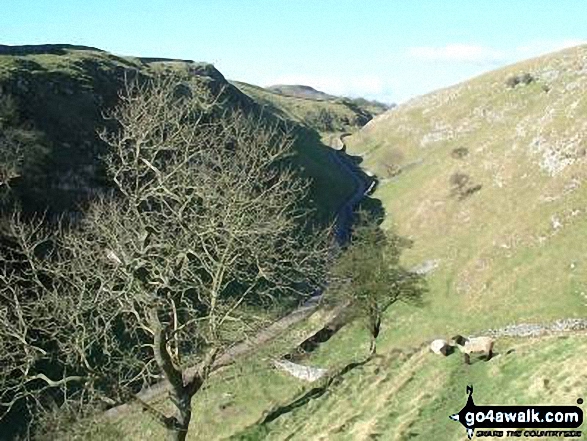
(390, 50)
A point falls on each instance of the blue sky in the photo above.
(385, 49)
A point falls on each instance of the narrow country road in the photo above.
(344, 220)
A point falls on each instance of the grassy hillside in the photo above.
(410, 394)
(486, 178)
(54, 97)
(405, 393)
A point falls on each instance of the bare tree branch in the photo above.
(205, 230)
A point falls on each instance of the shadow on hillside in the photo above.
(310, 344)
(65, 109)
(374, 207)
(313, 393)
(331, 185)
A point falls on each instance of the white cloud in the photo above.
(456, 52)
(544, 46)
(400, 78)
(479, 54)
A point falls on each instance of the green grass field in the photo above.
(410, 395)
(513, 250)
(405, 393)
(509, 243)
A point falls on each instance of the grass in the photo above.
(406, 392)
(62, 94)
(411, 395)
(323, 122)
(512, 251)
(234, 398)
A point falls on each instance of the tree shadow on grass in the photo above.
(259, 429)
(313, 393)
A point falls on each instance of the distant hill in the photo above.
(372, 106)
(331, 114)
(300, 91)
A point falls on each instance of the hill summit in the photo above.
(301, 91)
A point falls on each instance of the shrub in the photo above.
(392, 170)
(322, 119)
(512, 81)
(459, 180)
(525, 79)
(461, 185)
(460, 152)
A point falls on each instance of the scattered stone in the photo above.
(305, 373)
(555, 222)
(538, 329)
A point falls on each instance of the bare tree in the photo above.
(206, 228)
(10, 154)
(23, 152)
(368, 275)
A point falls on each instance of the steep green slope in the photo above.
(406, 392)
(504, 244)
(486, 179)
(55, 96)
(409, 394)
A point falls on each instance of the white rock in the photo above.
(305, 373)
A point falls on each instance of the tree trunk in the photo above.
(373, 347)
(375, 327)
(182, 399)
(183, 416)
(182, 389)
